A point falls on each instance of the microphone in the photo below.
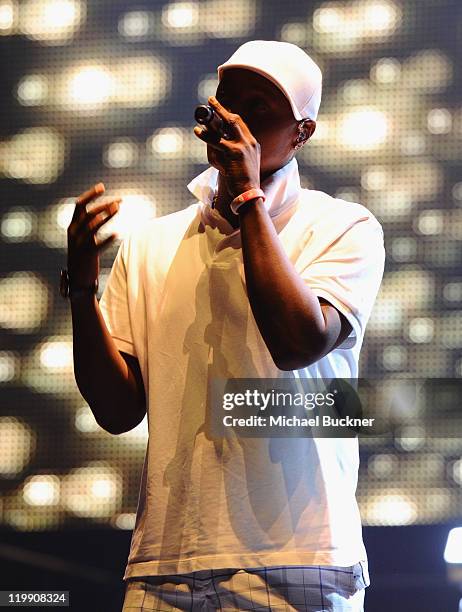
(206, 115)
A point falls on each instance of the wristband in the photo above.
(68, 291)
(252, 194)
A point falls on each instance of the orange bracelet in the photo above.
(252, 194)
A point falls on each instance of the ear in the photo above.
(307, 128)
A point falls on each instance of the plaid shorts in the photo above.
(264, 589)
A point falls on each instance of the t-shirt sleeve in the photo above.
(114, 304)
(348, 274)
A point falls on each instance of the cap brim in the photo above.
(225, 66)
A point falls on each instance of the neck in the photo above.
(223, 201)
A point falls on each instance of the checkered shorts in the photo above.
(265, 589)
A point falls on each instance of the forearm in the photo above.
(286, 310)
(102, 375)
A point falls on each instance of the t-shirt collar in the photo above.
(281, 189)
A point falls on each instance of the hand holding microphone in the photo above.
(205, 115)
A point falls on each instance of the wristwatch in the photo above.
(68, 291)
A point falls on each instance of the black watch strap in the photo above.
(68, 291)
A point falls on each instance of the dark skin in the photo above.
(268, 115)
(298, 327)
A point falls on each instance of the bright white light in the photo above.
(91, 86)
(181, 14)
(32, 90)
(6, 16)
(141, 81)
(363, 129)
(421, 329)
(138, 81)
(453, 549)
(135, 24)
(85, 420)
(135, 209)
(452, 292)
(386, 70)
(17, 224)
(430, 222)
(375, 178)
(92, 491)
(412, 437)
(56, 354)
(382, 465)
(413, 144)
(23, 302)
(60, 13)
(220, 19)
(356, 20)
(294, 33)
(322, 132)
(51, 21)
(41, 490)
(457, 471)
(54, 221)
(18, 445)
(167, 141)
(207, 87)
(403, 249)
(439, 121)
(380, 16)
(394, 357)
(103, 487)
(392, 509)
(457, 191)
(126, 520)
(350, 194)
(121, 154)
(355, 91)
(429, 70)
(64, 213)
(328, 19)
(8, 365)
(35, 155)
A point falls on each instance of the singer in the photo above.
(256, 278)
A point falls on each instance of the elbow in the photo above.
(298, 359)
(288, 364)
(111, 429)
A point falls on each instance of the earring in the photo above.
(300, 141)
(300, 138)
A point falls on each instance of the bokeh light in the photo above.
(110, 98)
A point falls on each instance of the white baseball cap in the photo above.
(287, 66)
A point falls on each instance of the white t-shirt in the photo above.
(176, 299)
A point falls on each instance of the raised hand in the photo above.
(237, 158)
(83, 248)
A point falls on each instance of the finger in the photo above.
(207, 137)
(81, 224)
(86, 197)
(101, 206)
(235, 121)
(102, 218)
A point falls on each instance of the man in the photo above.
(280, 285)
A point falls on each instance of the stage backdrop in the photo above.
(105, 91)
